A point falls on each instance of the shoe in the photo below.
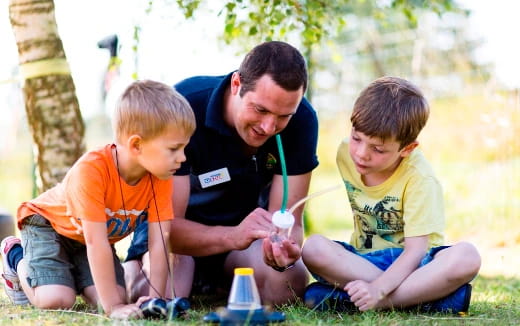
(323, 297)
(456, 303)
(11, 281)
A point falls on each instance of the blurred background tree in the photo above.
(51, 104)
(311, 23)
(348, 43)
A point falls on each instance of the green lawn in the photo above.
(494, 302)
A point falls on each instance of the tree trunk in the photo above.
(52, 108)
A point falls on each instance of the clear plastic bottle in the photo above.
(244, 293)
(283, 221)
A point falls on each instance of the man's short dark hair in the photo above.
(280, 60)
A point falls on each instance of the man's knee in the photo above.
(282, 287)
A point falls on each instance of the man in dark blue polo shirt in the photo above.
(231, 182)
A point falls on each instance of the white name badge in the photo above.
(214, 177)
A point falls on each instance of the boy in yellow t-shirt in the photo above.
(106, 193)
(396, 257)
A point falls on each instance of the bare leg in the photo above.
(451, 268)
(274, 287)
(338, 266)
(46, 296)
(137, 283)
(183, 270)
(91, 297)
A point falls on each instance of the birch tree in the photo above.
(49, 93)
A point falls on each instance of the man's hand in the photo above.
(281, 254)
(364, 295)
(256, 225)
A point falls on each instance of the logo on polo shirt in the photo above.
(270, 162)
(215, 177)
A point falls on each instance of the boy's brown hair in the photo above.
(390, 107)
(148, 107)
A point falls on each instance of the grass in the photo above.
(494, 302)
(473, 145)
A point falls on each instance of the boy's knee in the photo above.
(470, 256)
(54, 301)
(312, 248)
(464, 263)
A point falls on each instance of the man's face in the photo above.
(262, 112)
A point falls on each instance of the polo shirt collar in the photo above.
(215, 109)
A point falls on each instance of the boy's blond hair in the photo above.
(391, 107)
(148, 107)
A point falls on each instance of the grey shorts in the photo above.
(54, 259)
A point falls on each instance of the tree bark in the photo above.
(49, 93)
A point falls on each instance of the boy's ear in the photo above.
(134, 143)
(408, 149)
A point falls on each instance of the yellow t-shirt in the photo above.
(91, 191)
(408, 204)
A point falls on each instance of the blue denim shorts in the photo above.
(139, 244)
(385, 257)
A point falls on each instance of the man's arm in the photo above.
(366, 295)
(196, 239)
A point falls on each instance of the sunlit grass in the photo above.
(494, 302)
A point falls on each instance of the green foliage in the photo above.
(188, 7)
(311, 20)
(310, 24)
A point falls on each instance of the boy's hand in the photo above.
(79, 228)
(364, 295)
(281, 254)
(129, 311)
(126, 311)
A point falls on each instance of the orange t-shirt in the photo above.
(91, 191)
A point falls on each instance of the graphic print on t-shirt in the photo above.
(119, 224)
(374, 217)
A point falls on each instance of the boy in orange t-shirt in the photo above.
(68, 232)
